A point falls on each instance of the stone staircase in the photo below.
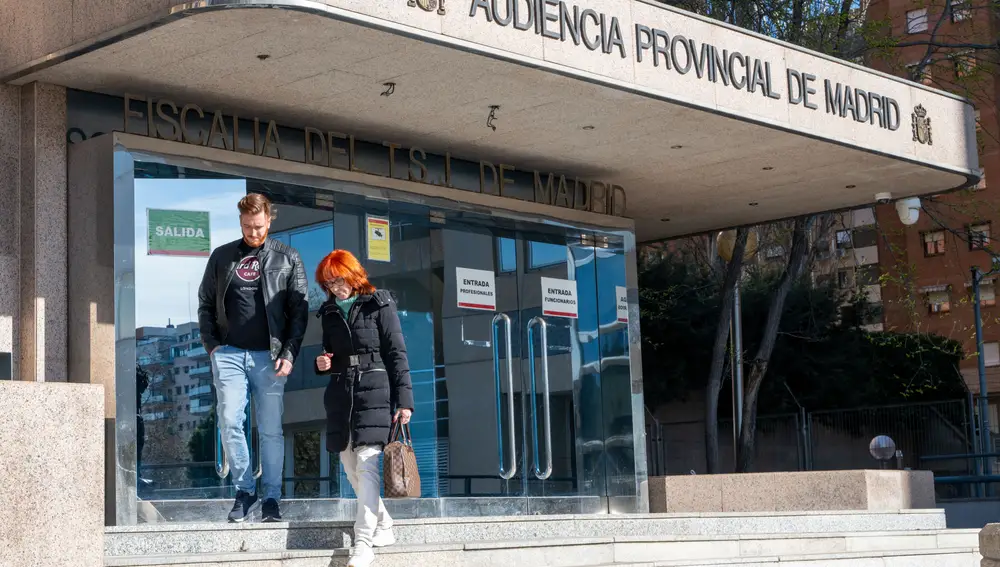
(910, 538)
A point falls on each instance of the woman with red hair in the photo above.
(369, 388)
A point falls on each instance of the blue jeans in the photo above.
(238, 372)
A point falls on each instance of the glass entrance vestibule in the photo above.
(519, 329)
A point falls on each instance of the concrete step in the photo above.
(165, 539)
(566, 553)
(952, 547)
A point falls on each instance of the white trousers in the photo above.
(361, 466)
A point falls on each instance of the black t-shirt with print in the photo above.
(245, 308)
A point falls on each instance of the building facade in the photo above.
(494, 169)
(927, 266)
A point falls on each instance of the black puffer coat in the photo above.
(361, 400)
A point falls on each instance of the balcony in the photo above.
(201, 370)
(201, 406)
(200, 391)
(196, 351)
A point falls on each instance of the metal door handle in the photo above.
(546, 406)
(249, 431)
(506, 473)
(221, 460)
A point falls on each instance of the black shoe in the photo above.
(241, 508)
(270, 511)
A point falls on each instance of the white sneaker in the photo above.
(383, 538)
(363, 556)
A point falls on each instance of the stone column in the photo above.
(52, 465)
(989, 545)
(42, 333)
(10, 159)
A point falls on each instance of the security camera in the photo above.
(883, 198)
(908, 210)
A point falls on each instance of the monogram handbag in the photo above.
(399, 465)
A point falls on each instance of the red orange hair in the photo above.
(343, 264)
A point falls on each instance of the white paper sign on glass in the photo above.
(622, 304)
(476, 289)
(559, 298)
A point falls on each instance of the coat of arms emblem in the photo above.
(921, 126)
(428, 5)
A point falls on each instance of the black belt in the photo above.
(367, 359)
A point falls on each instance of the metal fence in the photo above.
(829, 440)
(840, 438)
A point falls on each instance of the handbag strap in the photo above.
(400, 432)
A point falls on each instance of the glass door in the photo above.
(482, 421)
(522, 363)
(561, 372)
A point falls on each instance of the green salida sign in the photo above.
(178, 233)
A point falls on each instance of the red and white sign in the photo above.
(559, 298)
(248, 269)
(476, 289)
(622, 296)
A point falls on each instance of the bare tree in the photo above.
(801, 255)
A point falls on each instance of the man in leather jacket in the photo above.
(252, 312)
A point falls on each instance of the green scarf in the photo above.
(345, 304)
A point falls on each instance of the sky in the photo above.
(166, 287)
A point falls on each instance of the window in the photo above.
(843, 279)
(991, 354)
(867, 275)
(543, 254)
(979, 236)
(506, 255)
(865, 237)
(178, 390)
(187, 389)
(916, 21)
(844, 239)
(939, 301)
(934, 243)
(960, 11)
(965, 64)
(987, 294)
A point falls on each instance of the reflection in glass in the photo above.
(507, 255)
(450, 349)
(616, 388)
(177, 406)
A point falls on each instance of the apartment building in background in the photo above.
(178, 395)
(846, 253)
(927, 266)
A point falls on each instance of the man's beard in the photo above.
(255, 243)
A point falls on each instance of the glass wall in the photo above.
(570, 400)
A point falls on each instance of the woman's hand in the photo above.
(323, 362)
(402, 416)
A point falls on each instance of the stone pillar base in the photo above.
(989, 545)
(793, 491)
(52, 466)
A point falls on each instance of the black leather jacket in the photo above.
(285, 297)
